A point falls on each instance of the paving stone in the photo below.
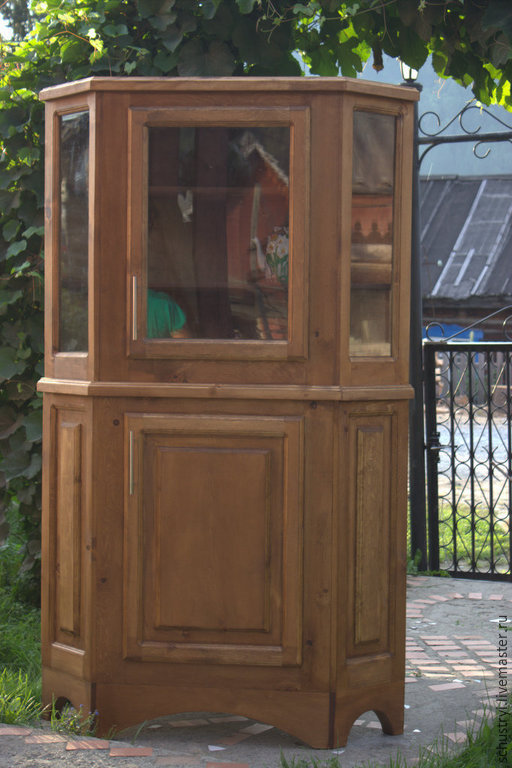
(227, 765)
(131, 752)
(13, 730)
(227, 719)
(256, 729)
(78, 744)
(458, 738)
(447, 686)
(187, 723)
(44, 738)
(229, 741)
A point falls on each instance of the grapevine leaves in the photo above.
(71, 40)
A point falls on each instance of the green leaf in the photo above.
(221, 26)
(15, 464)
(165, 63)
(34, 468)
(33, 424)
(9, 297)
(18, 391)
(413, 49)
(9, 421)
(9, 366)
(149, 7)
(10, 230)
(115, 30)
(196, 61)
(18, 247)
(408, 11)
(209, 8)
(498, 15)
(245, 6)
(33, 231)
(162, 21)
(324, 62)
(72, 51)
(306, 10)
(172, 38)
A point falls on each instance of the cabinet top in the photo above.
(229, 84)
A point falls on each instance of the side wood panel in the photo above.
(214, 539)
(371, 531)
(370, 447)
(373, 452)
(64, 566)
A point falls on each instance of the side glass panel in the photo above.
(372, 235)
(218, 232)
(73, 235)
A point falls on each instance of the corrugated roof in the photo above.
(466, 237)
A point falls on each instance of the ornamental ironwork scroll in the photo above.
(433, 138)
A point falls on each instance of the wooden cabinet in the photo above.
(225, 399)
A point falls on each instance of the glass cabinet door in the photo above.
(73, 239)
(372, 253)
(214, 256)
(218, 233)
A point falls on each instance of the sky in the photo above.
(447, 98)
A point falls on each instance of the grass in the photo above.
(20, 654)
(481, 535)
(20, 624)
(19, 702)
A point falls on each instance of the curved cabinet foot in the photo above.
(387, 702)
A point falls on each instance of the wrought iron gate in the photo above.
(469, 457)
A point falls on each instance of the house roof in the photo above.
(466, 237)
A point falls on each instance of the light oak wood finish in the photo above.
(224, 519)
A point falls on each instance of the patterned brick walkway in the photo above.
(451, 684)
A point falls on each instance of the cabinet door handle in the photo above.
(130, 463)
(135, 319)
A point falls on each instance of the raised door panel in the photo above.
(214, 539)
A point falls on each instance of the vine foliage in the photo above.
(72, 39)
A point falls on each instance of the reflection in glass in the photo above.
(372, 234)
(218, 242)
(74, 228)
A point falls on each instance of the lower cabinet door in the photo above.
(213, 535)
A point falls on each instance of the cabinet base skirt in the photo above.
(315, 718)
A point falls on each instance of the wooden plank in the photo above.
(224, 391)
(234, 84)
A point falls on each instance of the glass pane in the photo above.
(218, 242)
(74, 229)
(372, 234)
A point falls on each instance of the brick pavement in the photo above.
(451, 682)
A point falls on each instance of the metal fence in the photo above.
(469, 458)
